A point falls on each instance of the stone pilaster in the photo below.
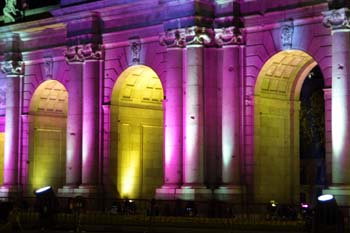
(339, 21)
(327, 94)
(13, 67)
(174, 40)
(84, 54)
(193, 116)
(90, 137)
(231, 40)
(74, 58)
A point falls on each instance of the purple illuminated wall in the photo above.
(218, 82)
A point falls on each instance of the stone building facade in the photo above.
(189, 99)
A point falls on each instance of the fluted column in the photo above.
(174, 40)
(339, 22)
(193, 115)
(14, 69)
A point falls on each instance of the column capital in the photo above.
(173, 38)
(228, 36)
(12, 67)
(337, 19)
(182, 37)
(83, 52)
(198, 36)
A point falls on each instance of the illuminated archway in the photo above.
(276, 126)
(137, 133)
(47, 135)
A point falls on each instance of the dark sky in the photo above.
(32, 3)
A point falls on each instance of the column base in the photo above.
(67, 191)
(8, 191)
(340, 192)
(166, 192)
(89, 190)
(194, 193)
(232, 193)
(82, 190)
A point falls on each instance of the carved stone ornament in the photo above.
(92, 51)
(12, 67)
(228, 36)
(135, 47)
(80, 53)
(74, 54)
(287, 30)
(337, 19)
(48, 67)
(198, 36)
(173, 38)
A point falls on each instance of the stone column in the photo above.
(338, 20)
(327, 94)
(74, 121)
(84, 39)
(13, 68)
(193, 117)
(230, 112)
(90, 119)
(174, 40)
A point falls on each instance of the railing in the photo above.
(146, 213)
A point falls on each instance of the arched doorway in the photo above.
(276, 126)
(137, 133)
(47, 136)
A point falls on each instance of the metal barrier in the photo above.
(149, 212)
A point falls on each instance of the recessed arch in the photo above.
(137, 133)
(276, 126)
(47, 135)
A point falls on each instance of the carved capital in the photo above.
(174, 38)
(80, 53)
(337, 19)
(74, 54)
(228, 36)
(13, 67)
(287, 30)
(92, 51)
(198, 36)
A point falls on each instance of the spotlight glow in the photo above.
(43, 189)
(326, 197)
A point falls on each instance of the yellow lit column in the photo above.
(13, 68)
(193, 116)
(230, 112)
(339, 21)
